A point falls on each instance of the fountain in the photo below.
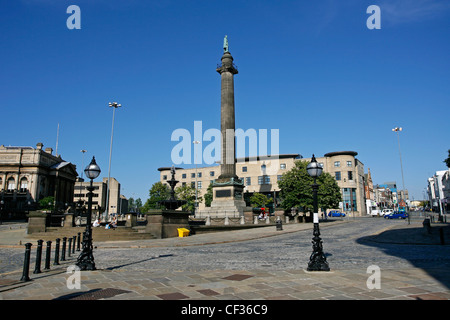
(172, 203)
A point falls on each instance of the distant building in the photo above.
(439, 191)
(28, 175)
(99, 195)
(262, 175)
(383, 197)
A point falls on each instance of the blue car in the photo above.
(396, 215)
(336, 213)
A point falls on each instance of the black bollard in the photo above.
(63, 251)
(74, 241)
(279, 224)
(26, 263)
(37, 267)
(70, 247)
(79, 240)
(56, 261)
(47, 255)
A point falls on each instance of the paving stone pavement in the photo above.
(147, 270)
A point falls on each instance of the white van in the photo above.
(375, 211)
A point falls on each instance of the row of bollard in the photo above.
(72, 241)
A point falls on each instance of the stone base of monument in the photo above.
(227, 199)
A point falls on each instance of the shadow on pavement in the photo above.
(427, 251)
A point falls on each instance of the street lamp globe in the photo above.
(92, 171)
(314, 169)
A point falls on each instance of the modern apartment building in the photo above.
(262, 175)
(116, 203)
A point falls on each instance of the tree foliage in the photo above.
(157, 192)
(296, 190)
(260, 200)
(47, 203)
(209, 195)
(187, 193)
(447, 161)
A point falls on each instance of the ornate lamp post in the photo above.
(85, 260)
(317, 260)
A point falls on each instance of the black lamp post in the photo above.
(317, 260)
(85, 260)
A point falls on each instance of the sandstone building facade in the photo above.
(262, 175)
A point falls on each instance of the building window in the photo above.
(279, 177)
(23, 185)
(211, 173)
(337, 175)
(11, 184)
(337, 164)
(283, 166)
(199, 175)
(199, 185)
(193, 184)
(248, 181)
(193, 175)
(183, 183)
(349, 163)
(263, 180)
(349, 199)
(244, 169)
(350, 175)
(183, 176)
(164, 177)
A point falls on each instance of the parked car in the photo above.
(396, 215)
(386, 211)
(336, 213)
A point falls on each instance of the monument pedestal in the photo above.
(228, 199)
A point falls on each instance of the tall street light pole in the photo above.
(113, 105)
(398, 129)
(82, 161)
(85, 260)
(317, 260)
(196, 174)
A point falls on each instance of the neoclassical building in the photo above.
(29, 174)
(261, 175)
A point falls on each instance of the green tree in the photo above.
(209, 195)
(260, 200)
(131, 204)
(187, 193)
(296, 190)
(47, 203)
(158, 192)
(447, 161)
(138, 204)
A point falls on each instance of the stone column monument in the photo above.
(227, 188)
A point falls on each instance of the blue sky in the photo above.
(311, 69)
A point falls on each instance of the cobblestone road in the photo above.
(270, 267)
(345, 245)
